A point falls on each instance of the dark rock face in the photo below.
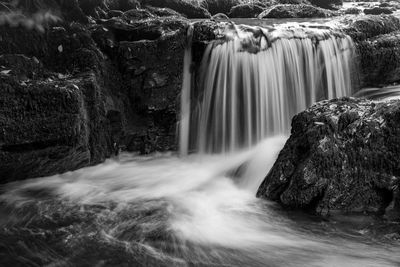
(183, 7)
(151, 69)
(295, 11)
(245, 11)
(77, 94)
(364, 27)
(380, 60)
(293, 2)
(353, 11)
(376, 39)
(327, 3)
(342, 155)
(220, 6)
(55, 102)
(377, 11)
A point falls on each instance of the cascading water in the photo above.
(200, 210)
(254, 81)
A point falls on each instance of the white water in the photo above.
(253, 82)
(201, 210)
(207, 211)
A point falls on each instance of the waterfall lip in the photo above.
(255, 39)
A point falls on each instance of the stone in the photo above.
(377, 11)
(380, 60)
(245, 11)
(181, 6)
(329, 4)
(295, 11)
(349, 165)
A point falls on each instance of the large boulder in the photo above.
(295, 11)
(379, 60)
(330, 4)
(377, 11)
(364, 27)
(343, 155)
(376, 40)
(245, 11)
(220, 6)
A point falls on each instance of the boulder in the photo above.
(364, 27)
(51, 125)
(343, 155)
(163, 12)
(377, 11)
(292, 2)
(220, 6)
(329, 4)
(245, 11)
(379, 60)
(183, 7)
(352, 11)
(295, 11)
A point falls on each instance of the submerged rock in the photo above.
(342, 155)
(295, 11)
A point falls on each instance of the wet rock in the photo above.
(123, 5)
(45, 128)
(377, 11)
(163, 12)
(329, 4)
(245, 11)
(183, 7)
(364, 27)
(137, 14)
(292, 2)
(380, 60)
(295, 11)
(352, 11)
(376, 41)
(220, 6)
(342, 155)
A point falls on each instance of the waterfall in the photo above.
(185, 95)
(252, 82)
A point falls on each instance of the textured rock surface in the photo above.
(377, 11)
(76, 94)
(184, 7)
(380, 60)
(327, 3)
(377, 45)
(295, 11)
(342, 155)
(245, 11)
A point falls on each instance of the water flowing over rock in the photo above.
(343, 155)
(255, 79)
